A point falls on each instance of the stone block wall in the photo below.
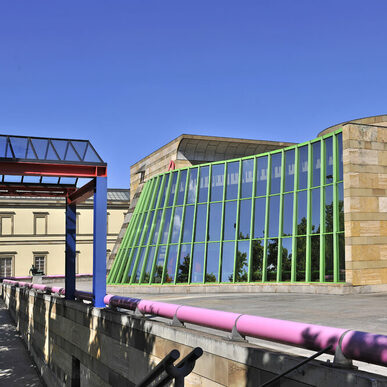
(365, 203)
(74, 344)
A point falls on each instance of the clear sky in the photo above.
(131, 75)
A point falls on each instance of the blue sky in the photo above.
(132, 75)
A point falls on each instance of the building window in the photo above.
(142, 176)
(40, 223)
(40, 263)
(7, 223)
(6, 264)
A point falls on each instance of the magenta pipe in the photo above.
(121, 302)
(83, 295)
(162, 309)
(207, 317)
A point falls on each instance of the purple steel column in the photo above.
(71, 219)
(99, 243)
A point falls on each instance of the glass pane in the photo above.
(329, 258)
(133, 260)
(289, 170)
(230, 220)
(341, 206)
(173, 189)
(158, 189)
(232, 180)
(164, 191)
(145, 240)
(184, 262)
(188, 223)
(167, 220)
(91, 156)
(316, 163)
(158, 274)
(329, 209)
(149, 264)
(315, 228)
(242, 262)
(286, 259)
(328, 160)
(274, 215)
(212, 262)
(139, 265)
(340, 158)
(275, 182)
(19, 147)
(171, 264)
(287, 227)
(341, 257)
(217, 182)
(176, 224)
(3, 146)
(183, 180)
(201, 219)
(261, 176)
(141, 229)
(80, 147)
(303, 169)
(40, 146)
(301, 259)
(244, 219)
(193, 174)
(197, 263)
(227, 262)
(272, 259)
(315, 258)
(247, 178)
(301, 212)
(259, 217)
(257, 260)
(203, 188)
(157, 227)
(214, 228)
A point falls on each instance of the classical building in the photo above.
(314, 212)
(32, 232)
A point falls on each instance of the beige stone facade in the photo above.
(365, 201)
(33, 232)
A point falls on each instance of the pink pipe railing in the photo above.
(356, 345)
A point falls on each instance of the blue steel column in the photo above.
(71, 219)
(99, 243)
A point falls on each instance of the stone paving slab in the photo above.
(16, 366)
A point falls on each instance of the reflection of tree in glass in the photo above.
(210, 277)
(158, 274)
(240, 267)
(183, 271)
(257, 260)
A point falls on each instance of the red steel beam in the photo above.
(82, 194)
(45, 169)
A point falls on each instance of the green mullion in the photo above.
(149, 201)
(249, 276)
(267, 214)
(166, 199)
(127, 240)
(182, 223)
(222, 223)
(336, 267)
(237, 219)
(281, 219)
(308, 266)
(150, 209)
(207, 224)
(293, 275)
(152, 231)
(194, 224)
(322, 212)
(171, 224)
(135, 234)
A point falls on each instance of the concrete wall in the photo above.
(117, 349)
(365, 203)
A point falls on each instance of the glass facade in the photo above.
(274, 217)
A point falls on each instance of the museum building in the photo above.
(314, 212)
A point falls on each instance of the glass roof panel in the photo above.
(68, 180)
(31, 179)
(19, 147)
(48, 149)
(12, 179)
(50, 180)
